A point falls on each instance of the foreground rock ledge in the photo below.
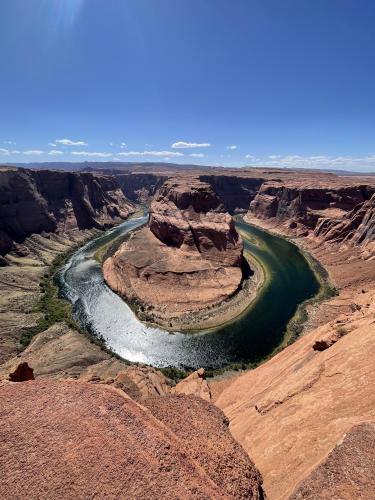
(189, 258)
(83, 441)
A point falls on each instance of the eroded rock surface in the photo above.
(187, 259)
(209, 442)
(357, 227)
(335, 210)
(37, 201)
(347, 473)
(85, 440)
(290, 412)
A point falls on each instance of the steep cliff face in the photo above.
(188, 258)
(236, 192)
(357, 227)
(35, 201)
(333, 212)
(303, 203)
(140, 187)
(188, 214)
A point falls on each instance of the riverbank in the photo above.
(340, 268)
(26, 292)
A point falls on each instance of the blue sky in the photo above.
(227, 82)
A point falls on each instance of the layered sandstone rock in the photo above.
(330, 210)
(20, 292)
(357, 227)
(187, 214)
(35, 202)
(305, 202)
(235, 191)
(290, 412)
(140, 187)
(84, 440)
(188, 258)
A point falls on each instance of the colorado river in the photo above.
(252, 336)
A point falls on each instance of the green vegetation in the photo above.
(175, 373)
(326, 292)
(53, 309)
(341, 330)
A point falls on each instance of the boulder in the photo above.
(195, 384)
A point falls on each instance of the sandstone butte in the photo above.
(190, 256)
(305, 417)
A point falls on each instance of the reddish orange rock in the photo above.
(78, 440)
(190, 256)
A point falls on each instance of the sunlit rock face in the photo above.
(187, 214)
(189, 257)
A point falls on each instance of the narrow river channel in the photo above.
(254, 335)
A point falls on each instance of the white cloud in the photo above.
(182, 145)
(10, 143)
(197, 155)
(123, 145)
(68, 142)
(90, 154)
(55, 152)
(4, 151)
(52, 144)
(168, 154)
(252, 158)
(33, 152)
(232, 147)
(274, 157)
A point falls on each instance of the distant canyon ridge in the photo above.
(328, 206)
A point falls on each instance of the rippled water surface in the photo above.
(254, 335)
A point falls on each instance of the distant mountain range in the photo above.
(159, 166)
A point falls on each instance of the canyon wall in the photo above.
(33, 202)
(304, 203)
(293, 413)
(236, 192)
(140, 187)
(357, 227)
(340, 211)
